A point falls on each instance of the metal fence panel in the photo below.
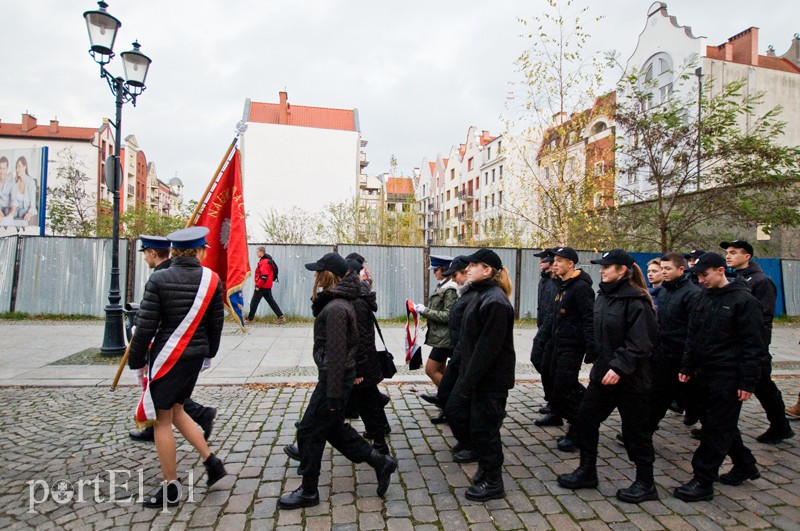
(790, 270)
(292, 292)
(772, 268)
(8, 254)
(141, 272)
(529, 284)
(507, 256)
(593, 270)
(398, 275)
(60, 275)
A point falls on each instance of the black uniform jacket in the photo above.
(457, 313)
(168, 297)
(336, 336)
(625, 333)
(675, 303)
(487, 352)
(568, 324)
(764, 290)
(547, 293)
(726, 334)
(367, 364)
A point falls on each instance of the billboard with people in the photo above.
(23, 190)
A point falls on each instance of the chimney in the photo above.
(28, 122)
(283, 112)
(54, 126)
(745, 47)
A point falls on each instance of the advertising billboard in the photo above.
(23, 190)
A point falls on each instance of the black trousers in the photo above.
(195, 411)
(449, 380)
(667, 387)
(598, 403)
(478, 420)
(266, 294)
(543, 362)
(319, 426)
(771, 399)
(366, 401)
(567, 391)
(721, 435)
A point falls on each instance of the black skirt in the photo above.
(177, 385)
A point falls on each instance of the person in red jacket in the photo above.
(264, 277)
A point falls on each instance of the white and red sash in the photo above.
(176, 344)
(412, 339)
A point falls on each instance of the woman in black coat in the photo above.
(336, 340)
(625, 331)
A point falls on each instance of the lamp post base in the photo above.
(114, 334)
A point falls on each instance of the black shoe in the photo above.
(694, 491)
(690, 420)
(675, 407)
(549, 420)
(458, 447)
(638, 492)
(292, 451)
(155, 500)
(465, 456)
(298, 498)
(737, 476)
(697, 433)
(145, 435)
(583, 478)
(431, 399)
(566, 445)
(384, 466)
(385, 400)
(775, 435)
(207, 422)
(214, 469)
(545, 410)
(369, 435)
(382, 448)
(439, 419)
(486, 491)
(479, 476)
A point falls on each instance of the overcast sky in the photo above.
(419, 73)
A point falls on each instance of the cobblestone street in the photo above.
(79, 434)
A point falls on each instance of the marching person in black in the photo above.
(624, 334)
(568, 332)
(675, 303)
(724, 353)
(182, 315)
(738, 256)
(336, 341)
(477, 405)
(542, 359)
(155, 250)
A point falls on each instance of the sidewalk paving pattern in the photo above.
(59, 434)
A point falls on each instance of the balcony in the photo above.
(465, 216)
(465, 196)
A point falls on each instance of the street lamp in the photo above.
(102, 29)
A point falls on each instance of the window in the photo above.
(453, 173)
(470, 163)
(648, 75)
(447, 213)
(599, 127)
(492, 174)
(447, 233)
(501, 171)
(631, 177)
(486, 202)
(658, 79)
(405, 207)
(546, 172)
(599, 168)
(500, 197)
(477, 182)
(391, 207)
(477, 204)
(598, 199)
(663, 66)
(489, 153)
(486, 178)
(492, 199)
(448, 195)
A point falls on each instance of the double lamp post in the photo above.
(102, 29)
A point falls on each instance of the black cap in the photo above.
(544, 253)
(694, 253)
(485, 256)
(357, 257)
(739, 244)
(458, 263)
(707, 261)
(153, 242)
(615, 257)
(565, 252)
(354, 265)
(189, 238)
(332, 262)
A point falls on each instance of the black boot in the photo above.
(567, 443)
(306, 495)
(694, 491)
(384, 466)
(465, 456)
(641, 490)
(155, 500)
(491, 488)
(214, 469)
(206, 421)
(550, 419)
(379, 443)
(146, 435)
(385, 400)
(479, 476)
(739, 475)
(584, 477)
(292, 451)
(774, 435)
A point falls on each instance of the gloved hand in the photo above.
(206, 364)
(420, 308)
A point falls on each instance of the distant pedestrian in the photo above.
(266, 273)
(656, 278)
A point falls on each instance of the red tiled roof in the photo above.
(43, 131)
(299, 115)
(399, 186)
(433, 167)
(777, 63)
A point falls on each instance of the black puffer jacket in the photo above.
(168, 297)
(335, 336)
(726, 334)
(487, 352)
(546, 294)
(764, 290)
(675, 304)
(568, 324)
(367, 364)
(625, 333)
(466, 294)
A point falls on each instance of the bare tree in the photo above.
(71, 208)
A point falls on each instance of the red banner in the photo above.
(224, 216)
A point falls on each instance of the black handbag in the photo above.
(388, 368)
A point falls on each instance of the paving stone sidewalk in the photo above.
(64, 434)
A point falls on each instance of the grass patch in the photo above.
(90, 356)
(786, 319)
(22, 316)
